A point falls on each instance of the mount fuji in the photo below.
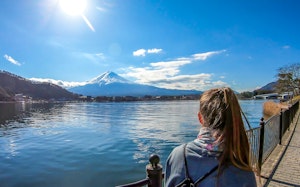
(111, 84)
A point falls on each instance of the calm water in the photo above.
(93, 144)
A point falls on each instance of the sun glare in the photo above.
(73, 7)
(76, 8)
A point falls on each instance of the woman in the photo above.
(220, 155)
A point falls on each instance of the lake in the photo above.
(93, 144)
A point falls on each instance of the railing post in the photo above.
(290, 116)
(280, 126)
(261, 142)
(154, 172)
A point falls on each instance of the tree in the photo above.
(245, 95)
(288, 79)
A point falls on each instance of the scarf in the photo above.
(207, 143)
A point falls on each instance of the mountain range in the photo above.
(107, 84)
(268, 87)
(111, 84)
(11, 84)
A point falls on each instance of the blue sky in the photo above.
(182, 44)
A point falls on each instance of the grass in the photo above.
(271, 108)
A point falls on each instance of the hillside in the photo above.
(268, 88)
(11, 84)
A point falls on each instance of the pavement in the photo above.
(282, 168)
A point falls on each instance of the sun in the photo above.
(76, 8)
(73, 7)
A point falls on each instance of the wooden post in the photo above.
(261, 142)
(280, 126)
(154, 172)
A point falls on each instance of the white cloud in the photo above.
(202, 81)
(140, 52)
(143, 52)
(11, 60)
(169, 78)
(204, 56)
(165, 74)
(154, 50)
(176, 63)
(64, 84)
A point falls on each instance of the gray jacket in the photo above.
(199, 165)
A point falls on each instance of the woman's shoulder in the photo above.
(177, 153)
(175, 166)
(193, 156)
(236, 176)
(181, 150)
(188, 149)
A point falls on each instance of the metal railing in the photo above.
(263, 141)
(253, 137)
(272, 131)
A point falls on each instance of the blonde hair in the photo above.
(221, 113)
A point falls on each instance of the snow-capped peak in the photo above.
(107, 78)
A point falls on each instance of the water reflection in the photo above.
(84, 141)
(253, 111)
(16, 115)
(11, 112)
(158, 126)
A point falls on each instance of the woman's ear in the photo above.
(200, 118)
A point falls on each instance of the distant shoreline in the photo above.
(107, 101)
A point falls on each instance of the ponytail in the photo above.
(222, 114)
(236, 140)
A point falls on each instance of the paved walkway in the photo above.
(282, 168)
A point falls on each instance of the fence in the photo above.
(273, 129)
(263, 141)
